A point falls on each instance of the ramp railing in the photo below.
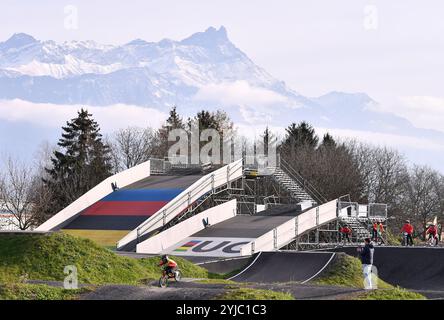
(163, 166)
(198, 190)
(292, 229)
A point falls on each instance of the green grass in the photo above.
(390, 294)
(254, 294)
(346, 271)
(44, 257)
(20, 291)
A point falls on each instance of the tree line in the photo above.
(83, 158)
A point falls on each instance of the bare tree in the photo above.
(439, 185)
(423, 201)
(131, 146)
(21, 195)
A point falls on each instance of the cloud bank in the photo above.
(110, 118)
(425, 112)
(238, 93)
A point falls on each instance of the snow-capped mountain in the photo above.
(203, 71)
(143, 73)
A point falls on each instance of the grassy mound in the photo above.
(254, 294)
(346, 271)
(20, 291)
(44, 257)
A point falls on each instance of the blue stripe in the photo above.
(143, 195)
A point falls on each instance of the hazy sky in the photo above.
(392, 50)
(314, 46)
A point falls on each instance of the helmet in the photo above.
(164, 257)
(407, 221)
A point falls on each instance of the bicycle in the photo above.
(164, 279)
(432, 241)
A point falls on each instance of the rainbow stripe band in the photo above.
(187, 245)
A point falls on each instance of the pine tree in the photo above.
(267, 138)
(301, 135)
(328, 141)
(207, 120)
(82, 162)
(174, 121)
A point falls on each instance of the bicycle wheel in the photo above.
(178, 275)
(163, 281)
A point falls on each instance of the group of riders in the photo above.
(431, 233)
(407, 230)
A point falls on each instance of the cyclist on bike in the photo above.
(407, 229)
(169, 265)
(432, 231)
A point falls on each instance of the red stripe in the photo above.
(122, 208)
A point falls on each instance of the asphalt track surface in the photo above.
(164, 182)
(243, 226)
(198, 291)
(274, 267)
(417, 268)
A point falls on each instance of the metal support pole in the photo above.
(275, 238)
(317, 216)
(189, 199)
(164, 217)
(296, 233)
(317, 236)
(337, 231)
(228, 176)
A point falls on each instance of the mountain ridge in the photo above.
(203, 70)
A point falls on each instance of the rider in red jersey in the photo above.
(169, 265)
(408, 229)
(432, 231)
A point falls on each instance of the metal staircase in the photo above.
(298, 187)
(359, 228)
(295, 190)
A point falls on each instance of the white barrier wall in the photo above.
(287, 232)
(179, 204)
(175, 234)
(122, 179)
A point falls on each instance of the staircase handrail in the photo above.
(304, 183)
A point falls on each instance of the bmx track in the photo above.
(271, 267)
(417, 268)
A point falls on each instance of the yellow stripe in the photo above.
(107, 238)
